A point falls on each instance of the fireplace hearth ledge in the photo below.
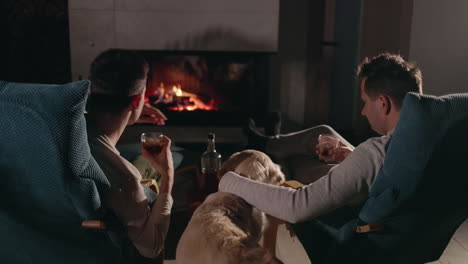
(186, 134)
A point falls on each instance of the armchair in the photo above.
(50, 181)
(419, 196)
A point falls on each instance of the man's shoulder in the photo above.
(375, 145)
(110, 161)
(377, 142)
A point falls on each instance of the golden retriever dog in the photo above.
(225, 229)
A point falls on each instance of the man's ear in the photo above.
(385, 103)
(136, 99)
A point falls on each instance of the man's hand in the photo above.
(332, 154)
(150, 114)
(341, 152)
(163, 163)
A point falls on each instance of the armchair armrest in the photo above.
(94, 224)
(101, 225)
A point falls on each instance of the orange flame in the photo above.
(181, 100)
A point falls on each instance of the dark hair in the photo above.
(116, 76)
(391, 75)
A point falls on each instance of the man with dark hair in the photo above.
(106, 76)
(118, 84)
(390, 74)
(384, 80)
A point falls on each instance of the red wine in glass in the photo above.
(153, 147)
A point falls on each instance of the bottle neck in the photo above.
(211, 145)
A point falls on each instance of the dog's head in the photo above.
(254, 165)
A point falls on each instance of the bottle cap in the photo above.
(211, 136)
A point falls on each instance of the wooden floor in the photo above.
(291, 251)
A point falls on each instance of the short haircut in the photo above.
(116, 75)
(389, 74)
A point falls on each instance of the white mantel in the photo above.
(195, 25)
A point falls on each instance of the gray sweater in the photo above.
(346, 182)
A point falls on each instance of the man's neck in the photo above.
(111, 124)
(392, 121)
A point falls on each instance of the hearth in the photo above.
(199, 88)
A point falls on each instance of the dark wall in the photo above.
(363, 28)
(385, 26)
(34, 46)
(344, 91)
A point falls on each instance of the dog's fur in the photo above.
(225, 228)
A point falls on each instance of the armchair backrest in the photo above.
(50, 181)
(420, 194)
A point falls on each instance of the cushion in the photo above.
(50, 181)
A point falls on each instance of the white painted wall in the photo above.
(439, 44)
(224, 25)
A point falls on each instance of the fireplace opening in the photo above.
(208, 88)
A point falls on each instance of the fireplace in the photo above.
(201, 88)
(210, 60)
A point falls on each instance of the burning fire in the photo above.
(179, 100)
(177, 90)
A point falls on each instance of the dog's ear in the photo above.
(231, 164)
(253, 169)
(275, 174)
(247, 163)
